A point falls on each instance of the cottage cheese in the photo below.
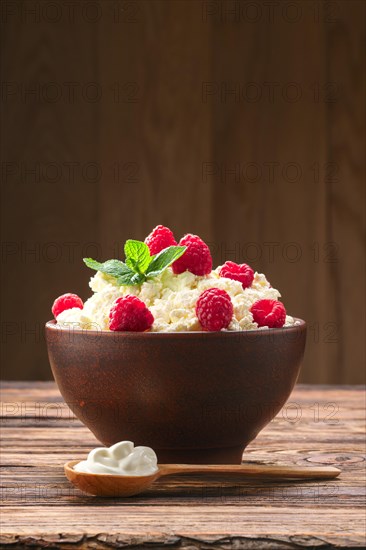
(172, 300)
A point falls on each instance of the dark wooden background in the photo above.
(240, 121)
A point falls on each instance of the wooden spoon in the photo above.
(107, 485)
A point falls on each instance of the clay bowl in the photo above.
(195, 398)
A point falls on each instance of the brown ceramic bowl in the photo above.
(194, 397)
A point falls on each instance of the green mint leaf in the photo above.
(133, 264)
(137, 255)
(164, 259)
(138, 278)
(123, 274)
(139, 264)
(127, 280)
(116, 268)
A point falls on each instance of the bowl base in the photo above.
(225, 455)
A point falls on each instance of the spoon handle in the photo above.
(252, 470)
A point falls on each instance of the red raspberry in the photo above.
(239, 272)
(161, 237)
(196, 259)
(214, 309)
(66, 301)
(129, 313)
(268, 313)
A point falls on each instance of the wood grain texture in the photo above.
(122, 486)
(49, 197)
(242, 122)
(346, 189)
(281, 141)
(320, 425)
(160, 128)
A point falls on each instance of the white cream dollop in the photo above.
(122, 459)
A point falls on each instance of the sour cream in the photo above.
(122, 459)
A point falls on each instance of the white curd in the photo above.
(172, 300)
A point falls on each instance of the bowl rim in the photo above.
(52, 326)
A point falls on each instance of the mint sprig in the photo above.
(137, 255)
(139, 266)
(115, 268)
(164, 259)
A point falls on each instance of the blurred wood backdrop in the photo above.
(240, 121)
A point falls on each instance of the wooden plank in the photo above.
(40, 507)
(49, 186)
(165, 524)
(346, 186)
(267, 97)
(269, 133)
(158, 133)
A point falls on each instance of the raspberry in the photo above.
(161, 237)
(66, 301)
(214, 309)
(268, 313)
(129, 313)
(196, 259)
(239, 272)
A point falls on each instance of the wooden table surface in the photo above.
(319, 425)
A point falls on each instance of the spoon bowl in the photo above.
(108, 485)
